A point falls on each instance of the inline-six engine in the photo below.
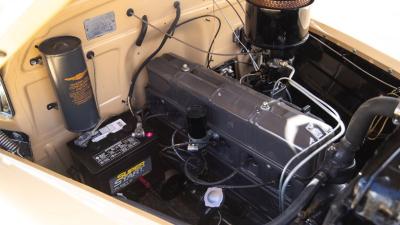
(266, 131)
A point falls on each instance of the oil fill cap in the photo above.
(213, 197)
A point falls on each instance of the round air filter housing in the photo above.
(277, 24)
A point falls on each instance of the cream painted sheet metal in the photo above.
(30, 194)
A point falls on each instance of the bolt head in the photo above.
(185, 68)
(265, 106)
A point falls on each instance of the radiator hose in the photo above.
(362, 118)
(8, 144)
(343, 157)
(341, 161)
(351, 142)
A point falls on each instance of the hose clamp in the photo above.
(397, 111)
(396, 115)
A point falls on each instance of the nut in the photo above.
(265, 106)
(185, 68)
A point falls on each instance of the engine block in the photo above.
(254, 126)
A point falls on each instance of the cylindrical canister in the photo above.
(197, 121)
(65, 61)
(277, 24)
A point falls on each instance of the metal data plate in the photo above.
(99, 25)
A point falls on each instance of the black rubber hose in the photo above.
(170, 31)
(362, 118)
(8, 144)
(143, 31)
(298, 204)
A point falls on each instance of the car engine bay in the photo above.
(292, 129)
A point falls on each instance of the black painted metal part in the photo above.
(197, 121)
(277, 28)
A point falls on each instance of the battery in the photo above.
(117, 159)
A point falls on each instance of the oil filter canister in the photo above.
(196, 117)
(277, 24)
(66, 64)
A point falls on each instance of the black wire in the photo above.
(209, 56)
(234, 9)
(208, 183)
(219, 182)
(241, 6)
(240, 186)
(246, 63)
(173, 158)
(154, 116)
(191, 45)
(170, 31)
(196, 18)
(201, 182)
(351, 62)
